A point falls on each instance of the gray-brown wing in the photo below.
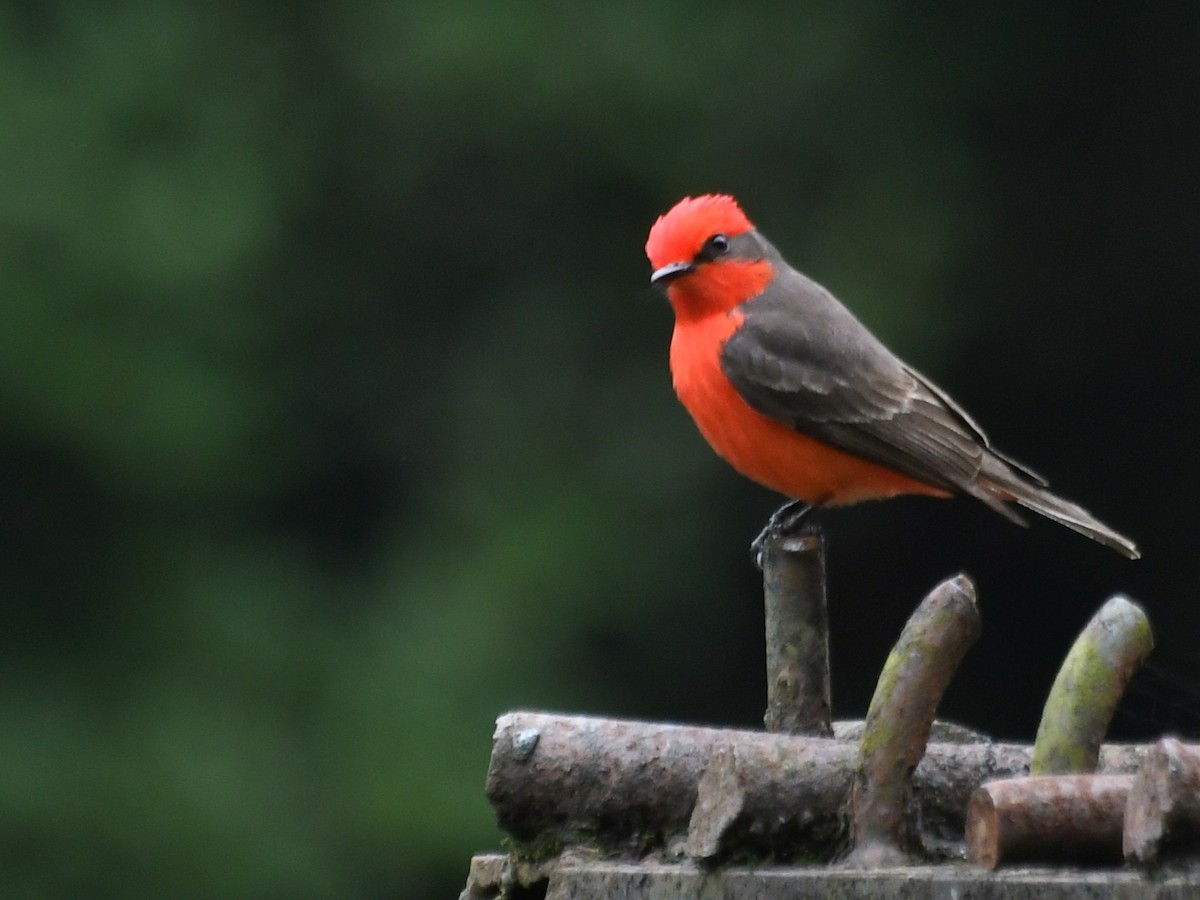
(801, 358)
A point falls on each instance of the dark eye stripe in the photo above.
(715, 246)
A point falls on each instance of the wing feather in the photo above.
(802, 358)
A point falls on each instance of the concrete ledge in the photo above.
(493, 876)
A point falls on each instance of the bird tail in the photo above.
(1006, 481)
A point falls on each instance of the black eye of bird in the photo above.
(715, 246)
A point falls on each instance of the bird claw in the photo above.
(783, 522)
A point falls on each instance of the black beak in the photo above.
(671, 271)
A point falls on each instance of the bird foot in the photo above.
(784, 521)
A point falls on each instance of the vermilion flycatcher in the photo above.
(794, 392)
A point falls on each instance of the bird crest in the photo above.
(680, 232)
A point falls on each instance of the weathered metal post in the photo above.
(1051, 818)
(1162, 818)
(1088, 688)
(916, 674)
(797, 634)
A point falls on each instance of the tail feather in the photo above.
(1002, 481)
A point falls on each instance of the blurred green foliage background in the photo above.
(335, 419)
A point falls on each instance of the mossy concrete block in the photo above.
(609, 880)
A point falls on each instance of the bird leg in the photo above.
(784, 521)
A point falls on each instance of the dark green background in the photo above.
(335, 417)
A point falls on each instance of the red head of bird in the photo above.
(708, 255)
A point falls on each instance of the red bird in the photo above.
(795, 393)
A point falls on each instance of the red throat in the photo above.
(718, 287)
